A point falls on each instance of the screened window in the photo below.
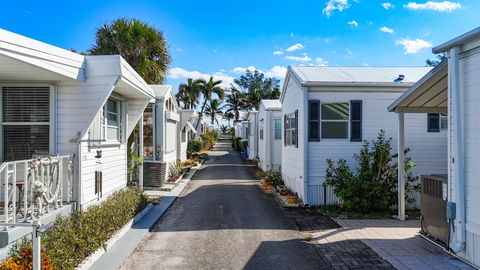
(334, 120)
(148, 132)
(291, 129)
(443, 121)
(111, 114)
(184, 134)
(25, 122)
(437, 122)
(261, 129)
(278, 129)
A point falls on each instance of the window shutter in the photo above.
(433, 122)
(314, 120)
(356, 120)
(285, 130)
(296, 128)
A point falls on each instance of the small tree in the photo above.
(373, 187)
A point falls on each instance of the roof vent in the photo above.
(400, 78)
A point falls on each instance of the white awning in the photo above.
(189, 125)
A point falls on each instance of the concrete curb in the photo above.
(114, 257)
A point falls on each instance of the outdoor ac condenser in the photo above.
(154, 173)
(433, 204)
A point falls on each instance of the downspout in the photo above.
(305, 144)
(257, 135)
(458, 163)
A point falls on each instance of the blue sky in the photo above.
(224, 38)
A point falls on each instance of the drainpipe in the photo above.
(458, 163)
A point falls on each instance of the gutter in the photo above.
(454, 84)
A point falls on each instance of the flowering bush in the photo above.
(273, 179)
(22, 258)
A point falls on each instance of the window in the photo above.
(148, 132)
(437, 122)
(314, 120)
(291, 129)
(334, 120)
(25, 122)
(111, 114)
(443, 121)
(278, 129)
(184, 134)
(261, 129)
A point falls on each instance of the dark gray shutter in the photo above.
(433, 122)
(296, 128)
(356, 120)
(285, 130)
(314, 120)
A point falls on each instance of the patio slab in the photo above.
(397, 242)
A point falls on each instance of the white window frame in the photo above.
(261, 129)
(120, 106)
(333, 121)
(275, 128)
(290, 131)
(443, 117)
(52, 123)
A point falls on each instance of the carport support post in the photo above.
(36, 256)
(401, 166)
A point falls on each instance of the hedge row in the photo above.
(73, 238)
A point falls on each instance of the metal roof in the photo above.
(271, 104)
(325, 75)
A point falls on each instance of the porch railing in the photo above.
(31, 188)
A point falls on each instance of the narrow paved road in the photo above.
(224, 221)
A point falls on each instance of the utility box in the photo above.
(154, 173)
(433, 207)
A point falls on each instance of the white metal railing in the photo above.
(29, 188)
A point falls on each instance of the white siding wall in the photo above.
(253, 136)
(427, 150)
(292, 157)
(262, 143)
(469, 85)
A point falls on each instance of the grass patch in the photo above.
(336, 211)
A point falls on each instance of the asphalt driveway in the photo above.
(224, 221)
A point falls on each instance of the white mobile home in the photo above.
(160, 135)
(270, 135)
(329, 111)
(252, 135)
(59, 107)
(451, 89)
(241, 130)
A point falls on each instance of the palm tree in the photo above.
(235, 103)
(208, 88)
(188, 94)
(213, 109)
(224, 129)
(141, 45)
(228, 116)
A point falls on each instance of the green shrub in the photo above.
(273, 179)
(209, 139)
(73, 238)
(244, 144)
(236, 143)
(193, 147)
(373, 187)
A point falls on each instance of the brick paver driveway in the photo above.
(224, 221)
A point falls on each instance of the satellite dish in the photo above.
(400, 78)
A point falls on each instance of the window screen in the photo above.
(25, 122)
(335, 118)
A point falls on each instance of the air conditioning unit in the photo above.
(433, 205)
(154, 173)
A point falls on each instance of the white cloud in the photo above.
(365, 64)
(277, 72)
(303, 59)
(412, 46)
(278, 52)
(181, 73)
(388, 5)
(386, 30)
(241, 70)
(321, 62)
(353, 23)
(445, 6)
(291, 34)
(295, 47)
(333, 5)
